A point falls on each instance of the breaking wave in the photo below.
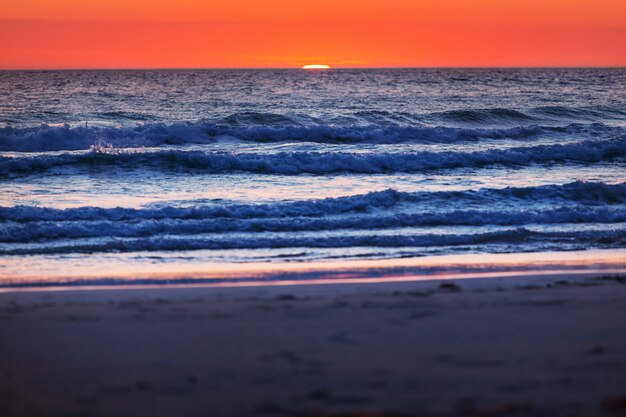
(572, 203)
(276, 128)
(294, 163)
(579, 192)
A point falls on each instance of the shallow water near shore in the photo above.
(146, 270)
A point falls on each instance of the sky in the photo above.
(45, 34)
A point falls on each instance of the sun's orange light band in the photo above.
(283, 33)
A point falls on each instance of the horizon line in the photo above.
(332, 68)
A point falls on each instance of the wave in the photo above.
(485, 116)
(578, 192)
(47, 231)
(574, 203)
(382, 118)
(518, 236)
(579, 113)
(294, 163)
(274, 129)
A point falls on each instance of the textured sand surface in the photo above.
(548, 346)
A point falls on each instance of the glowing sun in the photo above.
(315, 66)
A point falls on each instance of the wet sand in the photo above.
(523, 346)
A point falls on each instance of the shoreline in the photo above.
(234, 290)
(90, 275)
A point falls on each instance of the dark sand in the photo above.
(529, 346)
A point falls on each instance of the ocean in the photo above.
(166, 176)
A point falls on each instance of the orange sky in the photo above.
(291, 33)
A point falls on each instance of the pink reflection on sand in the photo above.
(390, 270)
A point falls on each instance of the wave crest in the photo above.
(578, 192)
(318, 163)
(242, 127)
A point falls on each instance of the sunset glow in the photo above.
(315, 66)
(285, 34)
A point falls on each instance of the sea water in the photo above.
(182, 170)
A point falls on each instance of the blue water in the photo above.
(219, 166)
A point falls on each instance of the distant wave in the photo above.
(517, 236)
(485, 116)
(578, 113)
(294, 163)
(55, 138)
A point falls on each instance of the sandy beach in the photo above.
(553, 345)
